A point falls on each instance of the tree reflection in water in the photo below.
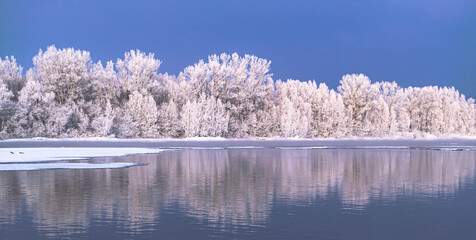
(234, 187)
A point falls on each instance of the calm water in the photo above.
(249, 194)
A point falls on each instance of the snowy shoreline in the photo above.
(233, 143)
(43, 154)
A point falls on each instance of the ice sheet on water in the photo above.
(243, 147)
(24, 155)
(345, 147)
(452, 148)
(51, 166)
(304, 148)
(206, 148)
(379, 147)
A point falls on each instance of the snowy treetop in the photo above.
(66, 94)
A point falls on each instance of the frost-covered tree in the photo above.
(7, 108)
(139, 117)
(205, 117)
(5, 94)
(451, 102)
(137, 71)
(263, 121)
(240, 83)
(11, 76)
(103, 122)
(213, 117)
(36, 104)
(467, 116)
(410, 99)
(11, 82)
(338, 115)
(388, 91)
(190, 119)
(137, 76)
(378, 120)
(64, 72)
(103, 100)
(429, 110)
(290, 119)
(296, 110)
(105, 85)
(328, 113)
(402, 110)
(169, 125)
(65, 94)
(360, 98)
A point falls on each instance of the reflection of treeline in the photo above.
(229, 187)
(65, 94)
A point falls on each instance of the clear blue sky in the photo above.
(418, 43)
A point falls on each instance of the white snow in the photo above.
(304, 148)
(206, 148)
(23, 155)
(408, 137)
(46, 166)
(205, 139)
(244, 147)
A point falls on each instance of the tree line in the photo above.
(66, 94)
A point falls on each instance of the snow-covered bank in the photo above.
(23, 154)
(214, 143)
(46, 154)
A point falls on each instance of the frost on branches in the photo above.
(66, 94)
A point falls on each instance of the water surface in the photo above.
(249, 194)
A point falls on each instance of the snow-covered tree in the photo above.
(403, 111)
(359, 97)
(139, 117)
(328, 113)
(11, 76)
(105, 85)
(388, 91)
(263, 121)
(338, 115)
(467, 117)
(11, 82)
(190, 119)
(295, 99)
(450, 110)
(240, 83)
(65, 94)
(36, 104)
(205, 117)
(7, 108)
(169, 125)
(64, 72)
(137, 76)
(290, 119)
(103, 123)
(103, 100)
(137, 71)
(213, 117)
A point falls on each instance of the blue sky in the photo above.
(418, 43)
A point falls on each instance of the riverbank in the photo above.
(233, 143)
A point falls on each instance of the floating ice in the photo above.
(304, 148)
(24, 155)
(454, 148)
(49, 166)
(243, 147)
